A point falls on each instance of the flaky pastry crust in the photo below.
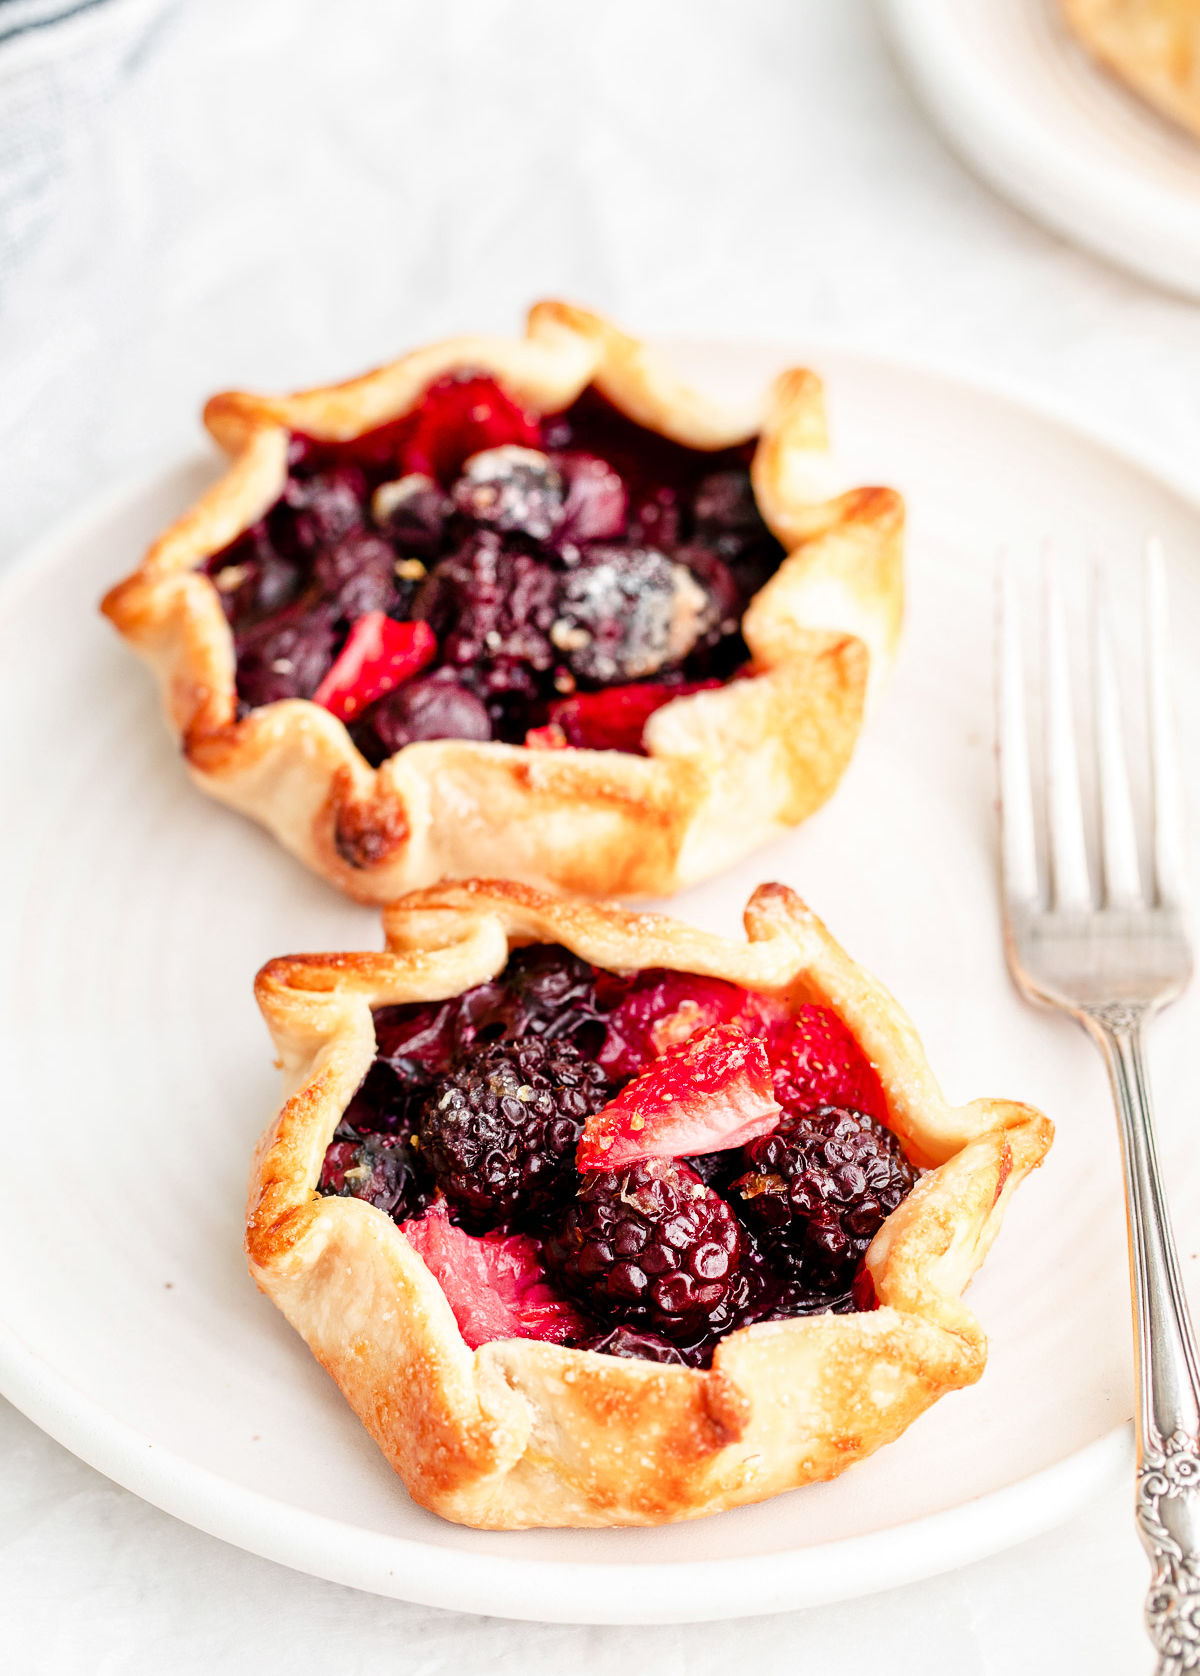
(726, 769)
(521, 1433)
(1152, 45)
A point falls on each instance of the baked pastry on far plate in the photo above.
(521, 606)
(598, 1219)
(1152, 45)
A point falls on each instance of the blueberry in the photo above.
(627, 612)
(724, 500)
(252, 579)
(433, 707)
(596, 502)
(412, 511)
(511, 488)
(358, 575)
(326, 507)
(286, 656)
(729, 524)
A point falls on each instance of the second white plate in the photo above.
(1026, 107)
(137, 1073)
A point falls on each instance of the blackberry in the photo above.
(624, 613)
(717, 1169)
(551, 993)
(543, 991)
(381, 1169)
(499, 1130)
(512, 488)
(627, 1342)
(818, 1190)
(651, 1245)
(357, 575)
(491, 604)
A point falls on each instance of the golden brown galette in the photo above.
(598, 1219)
(1152, 45)
(520, 606)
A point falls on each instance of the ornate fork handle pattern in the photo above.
(1168, 1428)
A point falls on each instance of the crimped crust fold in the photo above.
(726, 769)
(1152, 45)
(521, 1433)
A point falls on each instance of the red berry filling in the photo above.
(660, 1009)
(817, 1062)
(611, 720)
(674, 1155)
(460, 417)
(496, 1285)
(473, 571)
(708, 1094)
(378, 656)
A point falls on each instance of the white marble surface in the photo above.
(286, 191)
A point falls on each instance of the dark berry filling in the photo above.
(466, 1130)
(650, 1244)
(818, 1190)
(577, 572)
(498, 1132)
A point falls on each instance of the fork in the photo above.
(1112, 957)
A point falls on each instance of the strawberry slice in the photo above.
(462, 415)
(705, 1095)
(495, 1285)
(615, 718)
(660, 1009)
(817, 1062)
(548, 738)
(379, 655)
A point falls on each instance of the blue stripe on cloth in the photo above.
(19, 17)
(60, 61)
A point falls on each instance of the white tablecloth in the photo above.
(285, 190)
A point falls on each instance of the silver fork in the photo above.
(1112, 958)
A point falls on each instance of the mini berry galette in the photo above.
(600, 1220)
(528, 607)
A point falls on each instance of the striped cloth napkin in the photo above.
(59, 62)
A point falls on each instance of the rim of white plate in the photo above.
(674, 1591)
(1128, 217)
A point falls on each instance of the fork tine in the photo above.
(1170, 867)
(1018, 848)
(1071, 887)
(1122, 878)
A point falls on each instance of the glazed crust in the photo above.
(521, 1433)
(726, 769)
(1152, 45)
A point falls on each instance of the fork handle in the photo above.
(1168, 1416)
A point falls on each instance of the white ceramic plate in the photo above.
(1032, 113)
(137, 1074)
